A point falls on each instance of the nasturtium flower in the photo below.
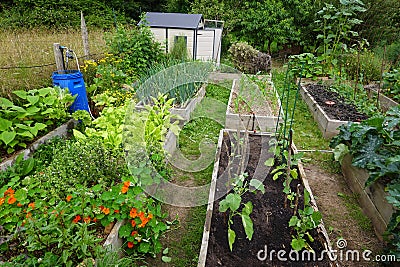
(12, 200)
(133, 213)
(86, 219)
(9, 191)
(2, 199)
(133, 223)
(141, 215)
(31, 205)
(130, 244)
(68, 198)
(106, 211)
(76, 219)
(150, 216)
(124, 189)
(116, 211)
(19, 204)
(134, 233)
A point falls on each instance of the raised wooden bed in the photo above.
(188, 108)
(384, 101)
(262, 119)
(372, 199)
(210, 225)
(327, 125)
(27, 152)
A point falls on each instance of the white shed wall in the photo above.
(181, 32)
(205, 41)
(160, 36)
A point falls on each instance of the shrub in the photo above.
(391, 84)
(249, 60)
(367, 64)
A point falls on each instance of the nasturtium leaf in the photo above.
(270, 162)
(125, 230)
(166, 259)
(32, 99)
(298, 243)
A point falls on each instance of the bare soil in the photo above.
(333, 104)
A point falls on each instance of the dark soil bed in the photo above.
(333, 104)
(270, 218)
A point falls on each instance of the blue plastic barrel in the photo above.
(73, 80)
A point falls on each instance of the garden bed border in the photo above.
(372, 199)
(207, 225)
(239, 121)
(60, 131)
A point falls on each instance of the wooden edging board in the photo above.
(372, 199)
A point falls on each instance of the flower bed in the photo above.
(270, 219)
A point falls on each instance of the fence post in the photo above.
(58, 57)
(85, 37)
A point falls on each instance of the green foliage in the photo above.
(307, 219)
(36, 110)
(391, 84)
(334, 26)
(306, 64)
(86, 162)
(179, 50)
(136, 48)
(365, 66)
(374, 144)
(233, 201)
(249, 60)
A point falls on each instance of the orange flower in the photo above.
(130, 244)
(68, 198)
(133, 223)
(144, 222)
(150, 216)
(11, 200)
(19, 204)
(133, 213)
(2, 199)
(141, 215)
(31, 205)
(127, 183)
(9, 191)
(106, 211)
(28, 215)
(134, 233)
(124, 189)
(116, 211)
(94, 220)
(86, 219)
(77, 219)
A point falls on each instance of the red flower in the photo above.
(31, 205)
(133, 223)
(134, 233)
(127, 183)
(68, 198)
(130, 244)
(86, 219)
(19, 204)
(2, 199)
(116, 211)
(94, 220)
(77, 219)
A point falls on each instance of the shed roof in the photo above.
(172, 20)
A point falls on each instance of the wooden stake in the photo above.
(58, 57)
(85, 37)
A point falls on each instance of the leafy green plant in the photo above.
(233, 201)
(248, 59)
(391, 84)
(335, 30)
(37, 109)
(307, 220)
(307, 64)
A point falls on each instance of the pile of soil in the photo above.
(270, 221)
(333, 104)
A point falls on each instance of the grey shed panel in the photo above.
(173, 20)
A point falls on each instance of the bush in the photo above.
(368, 66)
(136, 48)
(249, 60)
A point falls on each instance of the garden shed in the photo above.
(202, 37)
